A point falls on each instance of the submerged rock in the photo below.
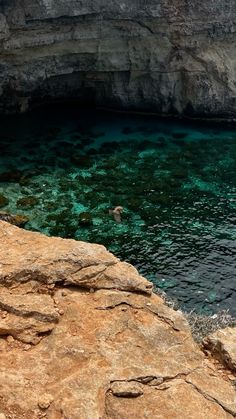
(180, 173)
(12, 176)
(85, 219)
(122, 352)
(179, 135)
(128, 130)
(3, 201)
(81, 161)
(17, 220)
(27, 202)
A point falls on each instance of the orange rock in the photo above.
(62, 261)
(97, 360)
(222, 345)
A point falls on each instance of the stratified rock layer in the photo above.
(155, 55)
(79, 341)
(56, 261)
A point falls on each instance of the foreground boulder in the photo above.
(83, 337)
(31, 256)
(222, 345)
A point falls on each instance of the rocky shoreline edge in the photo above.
(82, 335)
(229, 121)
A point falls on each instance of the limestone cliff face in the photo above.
(156, 55)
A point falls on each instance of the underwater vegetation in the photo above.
(176, 182)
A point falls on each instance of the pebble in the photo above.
(26, 348)
(50, 282)
(156, 381)
(45, 401)
(10, 339)
(2, 345)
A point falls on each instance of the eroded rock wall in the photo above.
(154, 55)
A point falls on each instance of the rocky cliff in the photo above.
(83, 337)
(153, 55)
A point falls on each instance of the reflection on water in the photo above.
(176, 182)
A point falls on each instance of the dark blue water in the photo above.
(176, 182)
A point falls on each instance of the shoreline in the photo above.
(73, 103)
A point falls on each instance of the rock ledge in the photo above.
(82, 336)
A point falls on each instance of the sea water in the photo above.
(176, 182)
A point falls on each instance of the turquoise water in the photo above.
(176, 182)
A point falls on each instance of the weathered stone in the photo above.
(13, 176)
(126, 389)
(213, 388)
(164, 56)
(177, 400)
(26, 317)
(3, 201)
(27, 202)
(115, 353)
(63, 261)
(85, 219)
(45, 401)
(3, 27)
(17, 220)
(222, 345)
(81, 161)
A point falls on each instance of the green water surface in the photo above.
(175, 180)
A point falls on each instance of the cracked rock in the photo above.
(28, 317)
(222, 345)
(56, 260)
(126, 389)
(96, 360)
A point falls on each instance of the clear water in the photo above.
(176, 182)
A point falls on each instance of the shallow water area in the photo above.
(176, 181)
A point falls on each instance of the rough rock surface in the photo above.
(159, 55)
(115, 351)
(56, 261)
(222, 344)
(18, 220)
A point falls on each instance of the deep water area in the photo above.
(176, 181)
